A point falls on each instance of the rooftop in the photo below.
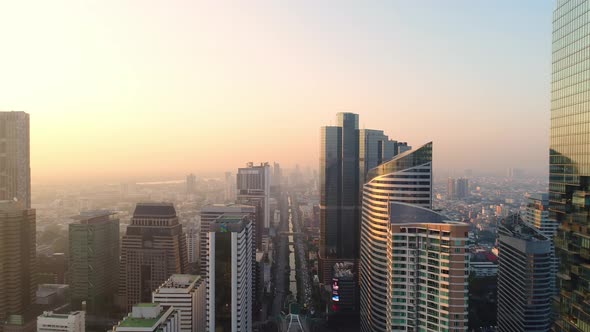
(514, 226)
(403, 213)
(151, 210)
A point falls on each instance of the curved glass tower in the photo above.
(407, 178)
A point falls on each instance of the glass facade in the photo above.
(223, 281)
(569, 180)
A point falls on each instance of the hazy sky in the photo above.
(163, 88)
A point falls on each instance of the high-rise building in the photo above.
(536, 214)
(462, 188)
(153, 249)
(209, 214)
(229, 194)
(427, 266)
(191, 184)
(93, 273)
(524, 277)
(569, 169)
(187, 293)
(229, 303)
(52, 322)
(15, 164)
(406, 178)
(150, 317)
(193, 243)
(451, 188)
(17, 259)
(253, 188)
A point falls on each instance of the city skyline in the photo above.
(116, 86)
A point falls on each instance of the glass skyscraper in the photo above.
(569, 180)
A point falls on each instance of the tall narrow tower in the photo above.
(15, 163)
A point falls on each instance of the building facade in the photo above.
(428, 270)
(253, 188)
(569, 170)
(93, 273)
(462, 188)
(17, 259)
(153, 249)
(406, 178)
(52, 322)
(187, 293)
(15, 162)
(525, 273)
(231, 275)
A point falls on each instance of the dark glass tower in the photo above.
(569, 179)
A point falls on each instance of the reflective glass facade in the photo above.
(569, 182)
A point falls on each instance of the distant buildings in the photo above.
(93, 273)
(524, 277)
(153, 249)
(150, 317)
(229, 303)
(15, 165)
(253, 188)
(406, 178)
(229, 193)
(191, 184)
(187, 293)
(569, 165)
(52, 322)
(193, 243)
(17, 259)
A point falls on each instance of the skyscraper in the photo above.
(229, 303)
(94, 260)
(253, 188)
(191, 184)
(229, 193)
(406, 178)
(17, 259)
(187, 293)
(153, 249)
(15, 164)
(569, 170)
(524, 277)
(451, 188)
(208, 215)
(462, 188)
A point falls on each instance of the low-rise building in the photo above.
(150, 317)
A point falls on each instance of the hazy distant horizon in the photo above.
(120, 90)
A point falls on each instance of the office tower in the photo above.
(375, 148)
(153, 249)
(209, 214)
(187, 293)
(93, 273)
(231, 269)
(277, 179)
(191, 184)
(17, 259)
(253, 188)
(406, 178)
(569, 169)
(230, 188)
(345, 290)
(150, 317)
(15, 164)
(524, 277)
(462, 188)
(193, 242)
(536, 214)
(52, 322)
(451, 188)
(402, 147)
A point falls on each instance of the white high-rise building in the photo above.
(253, 188)
(208, 215)
(231, 279)
(52, 322)
(187, 293)
(193, 240)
